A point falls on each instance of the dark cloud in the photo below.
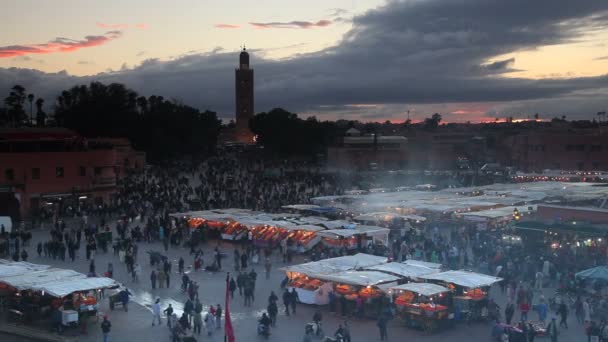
(603, 58)
(405, 53)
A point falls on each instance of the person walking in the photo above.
(382, 327)
(267, 266)
(286, 301)
(153, 279)
(232, 287)
(169, 312)
(106, 326)
(586, 311)
(161, 279)
(294, 300)
(209, 323)
(218, 317)
(563, 314)
(180, 265)
(273, 311)
(198, 322)
(156, 312)
(168, 278)
(124, 298)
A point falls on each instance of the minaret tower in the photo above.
(244, 98)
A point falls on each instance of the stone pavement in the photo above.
(136, 324)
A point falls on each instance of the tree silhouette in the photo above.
(40, 114)
(30, 99)
(15, 114)
(161, 128)
(432, 122)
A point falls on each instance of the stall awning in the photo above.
(463, 278)
(54, 281)
(9, 269)
(423, 263)
(403, 270)
(359, 230)
(359, 278)
(304, 227)
(64, 288)
(301, 206)
(425, 289)
(335, 265)
(595, 273)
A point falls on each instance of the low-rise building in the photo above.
(53, 167)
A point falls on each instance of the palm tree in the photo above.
(30, 98)
(40, 115)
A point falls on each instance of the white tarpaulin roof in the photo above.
(422, 263)
(29, 280)
(305, 227)
(54, 281)
(425, 289)
(8, 269)
(463, 278)
(301, 206)
(500, 212)
(64, 288)
(360, 278)
(335, 265)
(337, 233)
(402, 270)
(337, 224)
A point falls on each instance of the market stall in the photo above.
(356, 238)
(34, 291)
(301, 237)
(364, 285)
(305, 278)
(469, 289)
(422, 305)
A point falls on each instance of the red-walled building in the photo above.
(46, 166)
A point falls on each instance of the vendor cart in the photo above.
(69, 318)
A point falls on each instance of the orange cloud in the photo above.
(58, 45)
(112, 26)
(292, 24)
(142, 26)
(227, 26)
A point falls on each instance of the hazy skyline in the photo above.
(471, 60)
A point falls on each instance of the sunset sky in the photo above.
(471, 60)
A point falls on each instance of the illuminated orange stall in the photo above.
(421, 305)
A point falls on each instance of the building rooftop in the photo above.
(39, 134)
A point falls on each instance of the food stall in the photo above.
(271, 234)
(36, 289)
(422, 305)
(360, 236)
(305, 278)
(361, 284)
(469, 289)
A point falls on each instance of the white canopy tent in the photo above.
(432, 265)
(463, 278)
(402, 270)
(359, 278)
(54, 281)
(64, 288)
(335, 265)
(425, 289)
